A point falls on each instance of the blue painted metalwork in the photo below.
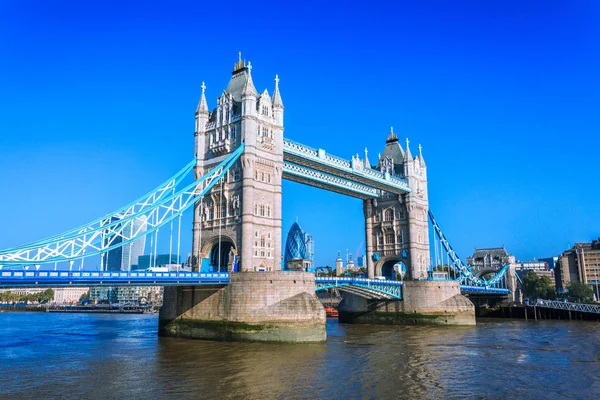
(466, 273)
(370, 288)
(11, 279)
(314, 177)
(319, 160)
(472, 289)
(101, 236)
(134, 207)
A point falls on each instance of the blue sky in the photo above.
(97, 107)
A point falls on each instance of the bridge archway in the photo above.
(385, 266)
(485, 271)
(215, 255)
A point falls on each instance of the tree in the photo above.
(579, 291)
(536, 287)
(84, 297)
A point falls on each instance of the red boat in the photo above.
(331, 312)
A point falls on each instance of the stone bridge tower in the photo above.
(237, 226)
(397, 226)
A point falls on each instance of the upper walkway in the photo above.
(316, 167)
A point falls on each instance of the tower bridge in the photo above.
(241, 158)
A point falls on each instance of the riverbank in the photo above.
(23, 307)
(535, 313)
(105, 309)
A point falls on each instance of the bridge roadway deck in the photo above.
(387, 289)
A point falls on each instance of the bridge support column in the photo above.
(424, 303)
(255, 306)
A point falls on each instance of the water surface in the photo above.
(107, 356)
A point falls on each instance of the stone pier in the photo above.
(255, 306)
(424, 303)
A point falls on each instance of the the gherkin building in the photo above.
(295, 245)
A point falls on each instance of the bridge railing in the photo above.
(329, 279)
(561, 305)
(91, 275)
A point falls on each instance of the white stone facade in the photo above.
(244, 211)
(69, 295)
(397, 226)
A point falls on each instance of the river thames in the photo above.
(106, 356)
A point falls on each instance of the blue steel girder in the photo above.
(472, 289)
(322, 180)
(368, 288)
(15, 279)
(118, 230)
(320, 160)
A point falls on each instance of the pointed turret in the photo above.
(202, 105)
(202, 115)
(407, 154)
(339, 265)
(276, 95)
(420, 157)
(408, 161)
(249, 89)
(367, 163)
(277, 103)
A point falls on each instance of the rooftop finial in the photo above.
(392, 136)
(249, 66)
(407, 142)
(203, 87)
(420, 150)
(240, 64)
(276, 80)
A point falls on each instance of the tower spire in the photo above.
(367, 163)
(407, 155)
(249, 89)
(202, 105)
(276, 95)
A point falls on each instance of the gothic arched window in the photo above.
(389, 238)
(389, 214)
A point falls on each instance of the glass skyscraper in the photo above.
(297, 246)
(124, 257)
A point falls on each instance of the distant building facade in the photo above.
(126, 294)
(580, 263)
(69, 295)
(146, 261)
(490, 260)
(540, 268)
(125, 258)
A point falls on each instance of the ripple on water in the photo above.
(114, 356)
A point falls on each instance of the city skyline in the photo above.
(492, 115)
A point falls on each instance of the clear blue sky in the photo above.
(97, 105)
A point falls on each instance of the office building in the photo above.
(125, 258)
(147, 260)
